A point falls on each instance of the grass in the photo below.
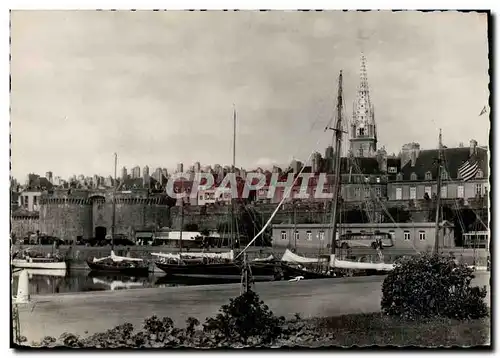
(377, 329)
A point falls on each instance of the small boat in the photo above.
(119, 264)
(40, 263)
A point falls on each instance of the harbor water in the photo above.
(53, 281)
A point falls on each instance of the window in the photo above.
(460, 191)
(428, 190)
(413, 193)
(283, 235)
(421, 235)
(478, 189)
(356, 192)
(413, 176)
(360, 152)
(444, 191)
(479, 174)
(361, 132)
(35, 199)
(378, 191)
(393, 234)
(297, 235)
(392, 170)
(399, 176)
(428, 176)
(407, 236)
(367, 192)
(399, 193)
(321, 235)
(444, 175)
(378, 179)
(309, 235)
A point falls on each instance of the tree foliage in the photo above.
(245, 317)
(432, 285)
(244, 321)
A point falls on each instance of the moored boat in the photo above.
(119, 264)
(220, 269)
(51, 263)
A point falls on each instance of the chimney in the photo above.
(382, 159)
(472, 147)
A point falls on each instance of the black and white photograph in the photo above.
(241, 179)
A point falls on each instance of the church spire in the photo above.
(363, 127)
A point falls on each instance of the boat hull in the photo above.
(218, 271)
(34, 264)
(40, 272)
(129, 271)
(291, 272)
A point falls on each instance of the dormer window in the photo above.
(413, 176)
(361, 132)
(399, 176)
(444, 175)
(479, 174)
(428, 176)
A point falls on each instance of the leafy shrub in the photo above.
(432, 285)
(245, 318)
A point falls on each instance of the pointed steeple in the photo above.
(363, 127)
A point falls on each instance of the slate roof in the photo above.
(453, 159)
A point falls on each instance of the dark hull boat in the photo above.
(290, 272)
(260, 271)
(135, 270)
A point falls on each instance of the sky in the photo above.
(159, 88)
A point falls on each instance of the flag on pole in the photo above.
(469, 169)
(483, 111)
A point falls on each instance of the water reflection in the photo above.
(60, 281)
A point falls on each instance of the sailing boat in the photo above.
(113, 263)
(332, 263)
(291, 263)
(214, 265)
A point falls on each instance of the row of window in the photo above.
(444, 175)
(444, 191)
(321, 235)
(25, 200)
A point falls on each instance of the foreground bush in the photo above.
(432, 285)
(245, 321)
(245, 318)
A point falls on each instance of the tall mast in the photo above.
(336, 164)
(113, 216)
(182, 217)
(232, 171)
(438, 196)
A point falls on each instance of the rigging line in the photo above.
(381, 204)
(286, 194)
(460, 219)
(455, 201)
